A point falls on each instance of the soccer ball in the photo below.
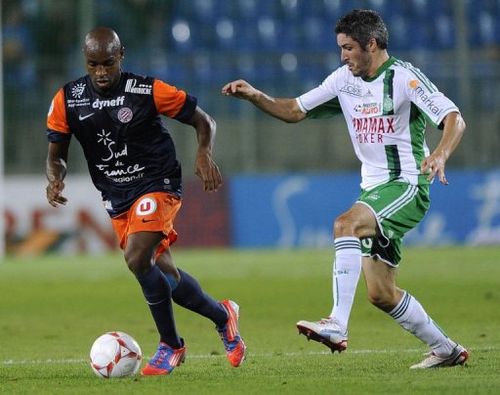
(115, 354)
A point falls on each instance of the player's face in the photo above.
(104, 67)
(356, 58)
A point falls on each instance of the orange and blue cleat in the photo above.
(165, 360)
(230, 336)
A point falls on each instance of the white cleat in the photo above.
(458, 356)
(327, 331)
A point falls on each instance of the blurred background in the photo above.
(276, 173)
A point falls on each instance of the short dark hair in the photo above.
(362, 25)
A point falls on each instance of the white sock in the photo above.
(346, 271)
(410, 314)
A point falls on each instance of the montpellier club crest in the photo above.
(125, 115)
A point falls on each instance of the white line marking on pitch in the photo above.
(207, 356)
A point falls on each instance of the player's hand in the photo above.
(240, 89)
(434, 165)
(208, 171)
(54, 196)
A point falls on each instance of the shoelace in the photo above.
(162, 353)
(228, 345)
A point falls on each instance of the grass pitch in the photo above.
(52, 309)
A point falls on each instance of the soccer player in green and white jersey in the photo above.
(386, 104)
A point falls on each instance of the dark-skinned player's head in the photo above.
(362, 26)
(103, 53)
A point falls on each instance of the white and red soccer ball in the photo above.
(115, 354)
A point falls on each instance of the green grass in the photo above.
(52, 308)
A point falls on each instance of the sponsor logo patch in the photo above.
(141, 89)
(84, 101)
(146, 206)
(368, 108)
(77, 90)
(372, 130)
(104, 137)
(352, 90)
(100, 104)
(427, 101)
(413, 84)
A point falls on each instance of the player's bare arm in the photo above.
(56, 171)
(285, 109)
(205, 166)
(434, 164)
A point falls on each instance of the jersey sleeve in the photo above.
(323, 93)
(173, 102)
(322, 101)
(426, 96)
(57, 125)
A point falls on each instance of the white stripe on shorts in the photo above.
(403, 200)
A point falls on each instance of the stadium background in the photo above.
(272, 169)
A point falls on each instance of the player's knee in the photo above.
(138, 261)
(167, 266)
(345, 225)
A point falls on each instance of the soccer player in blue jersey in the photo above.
(386, 104)
(115, 116)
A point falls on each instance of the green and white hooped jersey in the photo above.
(386, 116)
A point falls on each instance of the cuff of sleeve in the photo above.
(57, 137)
(187, 109)
(301, 106)
(440, 124)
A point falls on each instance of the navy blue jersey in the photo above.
(129, 151)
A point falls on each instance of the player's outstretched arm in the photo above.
(285, 109)
(205, 166)
(56, 171)
(434, 164)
